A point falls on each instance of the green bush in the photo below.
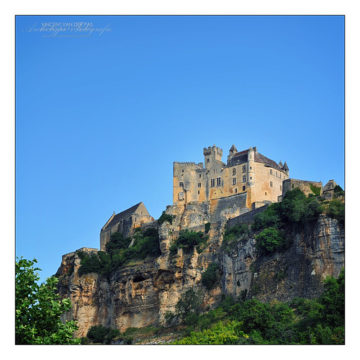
(211, 277)
(234, 235)
(188, 304)
(117, 241)
(269, 240)
(103, 335)
(336, 210)
(315, 189)
(146, 244)
(165, 217)
(338, 191)
(187, 240)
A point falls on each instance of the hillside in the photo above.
(194, 260)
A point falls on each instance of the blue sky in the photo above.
(100, 117)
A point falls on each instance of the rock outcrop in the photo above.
(141, 293)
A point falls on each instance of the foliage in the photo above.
(146, 244)
(117, 241)
(187, 240)
(315, 189)
(101, 334)
(270, 240)
(211, 277)
(302, 321)
(233, 235)
(336, 210)
(165, 217)
(38, 308)
(219, 334)
(188, 305)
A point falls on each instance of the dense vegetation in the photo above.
(211, 277)
(188, 240)
(301, 321)
(234, 235)
(38, 308)
(165, 217)
(118, 252)
(103, 335)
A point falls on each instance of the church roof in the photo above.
(123, 215)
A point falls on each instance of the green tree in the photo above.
(38, 309)
(269, 240)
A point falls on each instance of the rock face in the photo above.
(140, 294)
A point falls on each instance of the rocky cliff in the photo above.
(140, 293)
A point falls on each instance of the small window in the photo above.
(234, 181)
(270, 171)
(244, 178)
(250, 178)
(199, 176)
(234, 171)
(181, 196)
(198, 192)
(181, 184)
(244, 168)
(265, 193)
(199, 185)
(182, 170)
(235, 190)
(212, 182)
(218, 182)
(208, 160)
(243, 188)
(250, 167)
(271, 183)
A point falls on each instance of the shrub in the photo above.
(336, 210)
(101, 334)
(117, 241)
(315, 189)
(211, 277)
(269, 240)
(187, 240)
(233, 235)
(338, 191)
(188, 304)
(165, 217)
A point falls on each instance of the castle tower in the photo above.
(212, 155)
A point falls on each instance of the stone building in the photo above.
(124, 222)
(246, 172)
(307, 187)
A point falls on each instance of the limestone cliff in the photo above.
(140, 293)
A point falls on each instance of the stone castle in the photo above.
(248, 180)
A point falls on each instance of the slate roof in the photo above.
(123, 215)
(242, 157)
(263, 159)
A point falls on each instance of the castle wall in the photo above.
(304, 186)
(268, 183)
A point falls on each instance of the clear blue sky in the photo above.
(100, 117)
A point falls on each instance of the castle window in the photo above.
(243, 188)
(271, 184)
(199, 176)
(244, 178)
(182, 170)
(234, 181)
(208, 160)
(181, 184)
(218, 182)
(181, 196)
(212, 182)
(270, 171)
(234, 171)
(265, 193)
(198, 192)
(235, 190)
(199, 184)
(244, 168)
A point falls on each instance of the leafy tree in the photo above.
(269, 240)
(188, 304)
(101, 334)
(187, 240)
(165, 218)
(38, 309)
(211, 277)
(336, 210)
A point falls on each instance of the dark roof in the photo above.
(268, 162)
(123, 215)
(238, 158)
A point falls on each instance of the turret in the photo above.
(251, 162)
(212, 154)
(232, 152)
(286, 168)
